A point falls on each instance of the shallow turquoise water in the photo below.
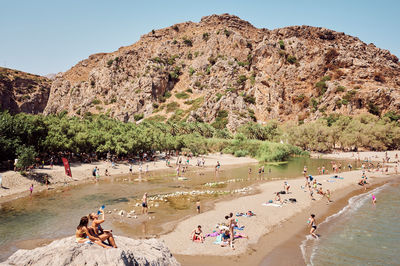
(362, 234)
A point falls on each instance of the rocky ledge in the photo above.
(67, 252)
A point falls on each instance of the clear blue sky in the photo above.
(48, 36)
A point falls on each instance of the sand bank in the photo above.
(362, 155)
(15, 185)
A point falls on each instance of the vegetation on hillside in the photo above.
(23, 136)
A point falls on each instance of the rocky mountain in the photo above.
(23, 92)
(67, 252)
(225, 71)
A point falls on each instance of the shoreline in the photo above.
(282, 233)
(289, 251)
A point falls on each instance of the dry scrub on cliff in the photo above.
(291, 73)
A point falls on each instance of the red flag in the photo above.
(66, 166)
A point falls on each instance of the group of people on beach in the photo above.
(313, 186)
(226, 231)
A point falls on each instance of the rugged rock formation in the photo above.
(67, 252)
(223, 65)
(23, 92)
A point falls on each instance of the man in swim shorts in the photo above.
(144, 204)
(198, 206)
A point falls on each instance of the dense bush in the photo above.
(26, 156)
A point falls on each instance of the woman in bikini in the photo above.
(197, 235)
(83, 235)
(98, 230)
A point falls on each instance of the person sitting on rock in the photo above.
(98, 231)
(83, 235)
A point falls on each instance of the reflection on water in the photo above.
(56, 213)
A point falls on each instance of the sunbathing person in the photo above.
(197, 235)
(226, 239)
(278, 197)
(98, 231)
(83, 235)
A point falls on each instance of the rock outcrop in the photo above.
(67, 252)
(226, 70)
(23, 92)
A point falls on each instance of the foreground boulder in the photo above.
(67, 252)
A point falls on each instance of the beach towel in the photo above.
(218, 241)
(245, 214)
(213, 234)
(239, 228)
(336, 177)
(272, 204)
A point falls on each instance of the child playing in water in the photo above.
(373, 199)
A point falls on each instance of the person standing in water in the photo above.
(144, 204)
(373, 199)
(31, 189)
(313, 225)
(305, 171)
(198, 206)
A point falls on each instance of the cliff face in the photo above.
(23, 92)
(224, 68)
(67, 252)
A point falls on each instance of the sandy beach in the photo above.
(15, 185)
(362, 155)
(268, 218)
